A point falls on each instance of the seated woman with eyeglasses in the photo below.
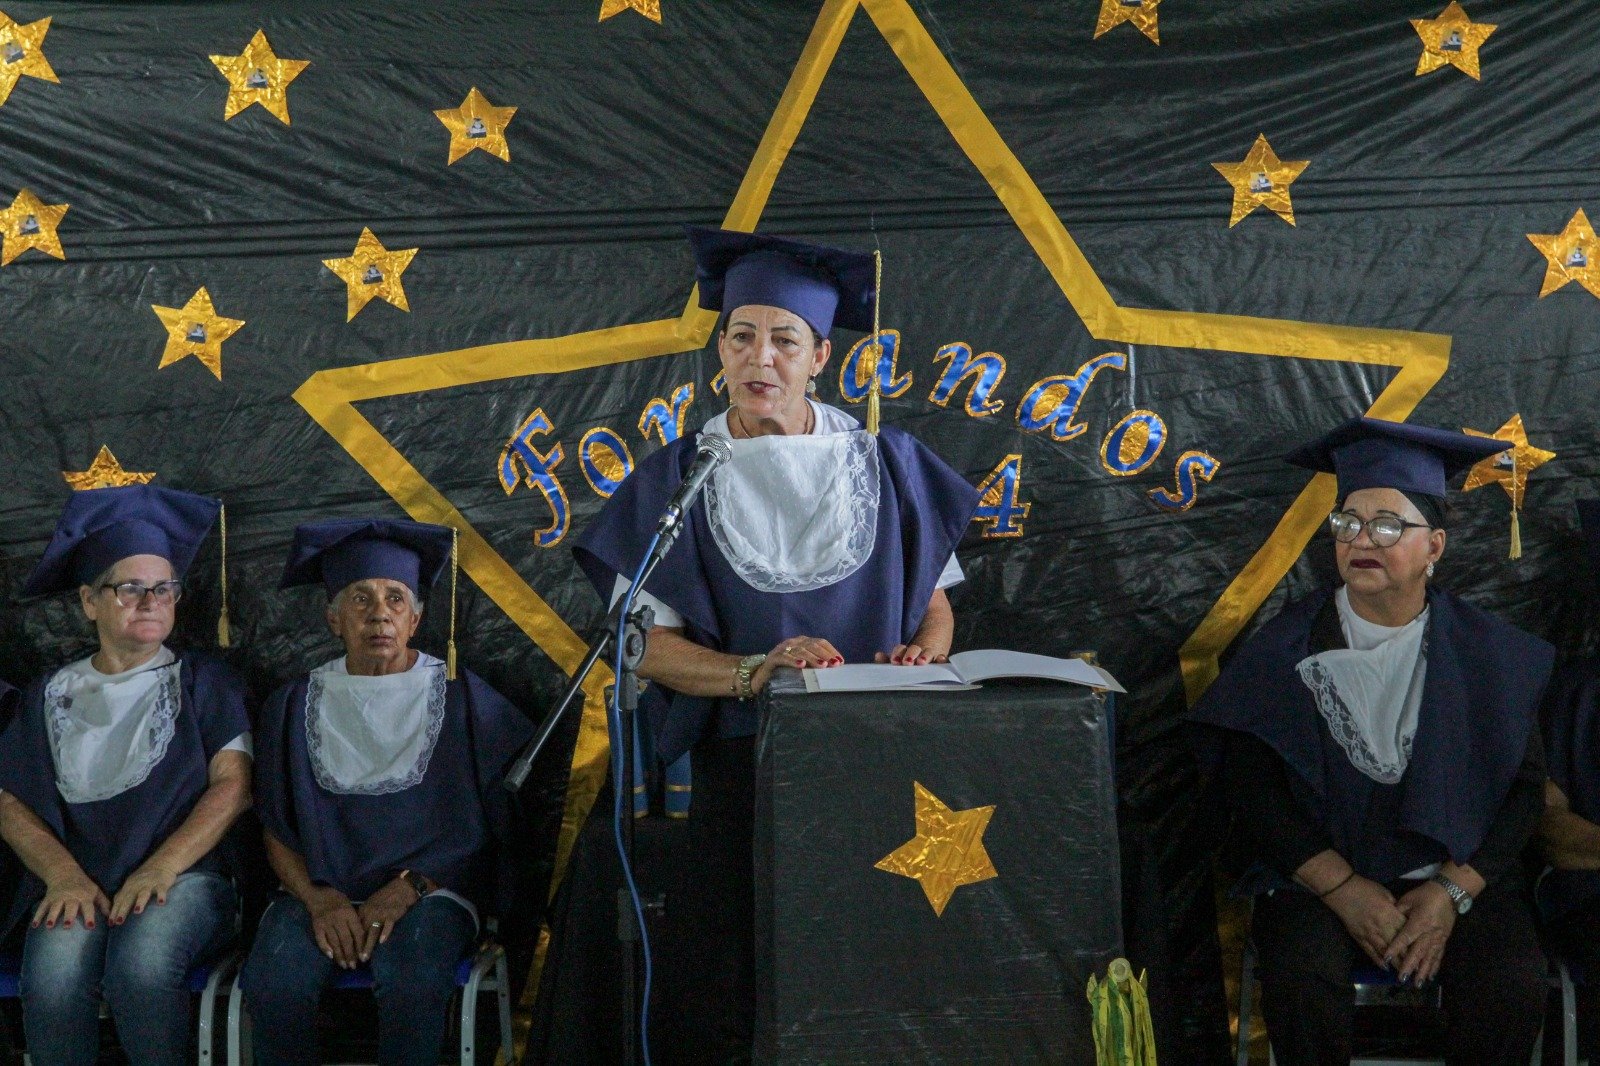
(121, 773)
(1381, 757)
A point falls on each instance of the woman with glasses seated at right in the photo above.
(120, 773)
(1381, 756)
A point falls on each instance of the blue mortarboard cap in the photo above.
(342, 550)
(822, 285)
(1370, 453)
(99, 527)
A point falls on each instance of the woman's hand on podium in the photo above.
(798, 652)
(911, 655)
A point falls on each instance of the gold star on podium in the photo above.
(947, 851)
(650, 9)
(30, 223)
(477, 124)
(21, 52)
(258, 76)
(1261, 180)
(1570, 256)
(196, 329)
(104, 473)
(1451, 39)
(372, 270)
(1142, 13)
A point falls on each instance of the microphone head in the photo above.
(715, 447)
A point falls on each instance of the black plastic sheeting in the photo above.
(855, 965)
(1412, 214)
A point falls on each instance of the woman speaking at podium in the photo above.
(817, 543)
(1383, 763)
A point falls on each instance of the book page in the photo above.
(984, 665)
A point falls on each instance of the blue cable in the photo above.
(614, 726)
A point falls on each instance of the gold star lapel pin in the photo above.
(372, 270)
(1510, 468)
(1142, 13)
(477, 124)
(30, 223)
(196, 329)
(650, 9)
(258, 76)
(1261, 180)
(947, 851)
(1569, 256)
(104, 473)
(22, 52)
(1451, 39)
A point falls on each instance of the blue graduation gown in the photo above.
(109, 838)
(923, 508)
(450, 826)
(1479, 704)
(1572, 746)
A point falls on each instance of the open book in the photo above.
(964, 670)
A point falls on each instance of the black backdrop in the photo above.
(1412, 216)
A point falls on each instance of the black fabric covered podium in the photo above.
(854, 964)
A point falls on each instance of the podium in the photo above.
(896, 919)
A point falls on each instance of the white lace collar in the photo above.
(108, 731)
(794, 513)
(373, 735)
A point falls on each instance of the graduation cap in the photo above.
(1370, 453)
(340, 551)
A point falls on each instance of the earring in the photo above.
(1429, 571)
(811, 386)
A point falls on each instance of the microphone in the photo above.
(711, 453)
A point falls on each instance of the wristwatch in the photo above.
(418, 883)
(742, 673)
(1458, 895)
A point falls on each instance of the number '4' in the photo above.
(998, 506)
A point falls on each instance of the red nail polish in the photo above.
(49, 925)
(88, 925)
(799, 662)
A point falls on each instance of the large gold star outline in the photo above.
(195, 329)
(1451, 39)
(22, 53)
(105, 473)
(258, 76)
(1571, 255)
(331, 396)
(947, 851)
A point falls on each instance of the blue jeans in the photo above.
(140, 968)
(413, 978)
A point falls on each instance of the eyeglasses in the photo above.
(132, 593)
(1385, 530)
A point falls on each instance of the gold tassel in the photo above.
(1124, 1034)
(455, 569)
(224, 637)
(873, 415)
(1516, 535)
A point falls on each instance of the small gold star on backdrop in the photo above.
(196, 329)
(477, 124)
(1142, 13)
(372, 270)
(22, 52)
(104, 473)
(30, 223)
(947, 851)
(1510, 468)
(1451, 39)
(258, 76)
(650, 9)
(1261, 180)
(1570, 256)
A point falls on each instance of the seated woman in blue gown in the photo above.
(1384, 768)
(378, 784)
(818, 543)
(121, 774)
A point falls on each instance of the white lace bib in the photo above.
(373, 735)
(108, 731)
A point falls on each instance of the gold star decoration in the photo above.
(1261, 180)
(22, 52)
(650, 9)
(1510, 468)
(105, 473)
(947, 851)
(30, 223)
(1570, 256)
(1142, 13)
(258, 76)
(477, 124)
(196, 329)
(1452, 39)
(372, 270)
